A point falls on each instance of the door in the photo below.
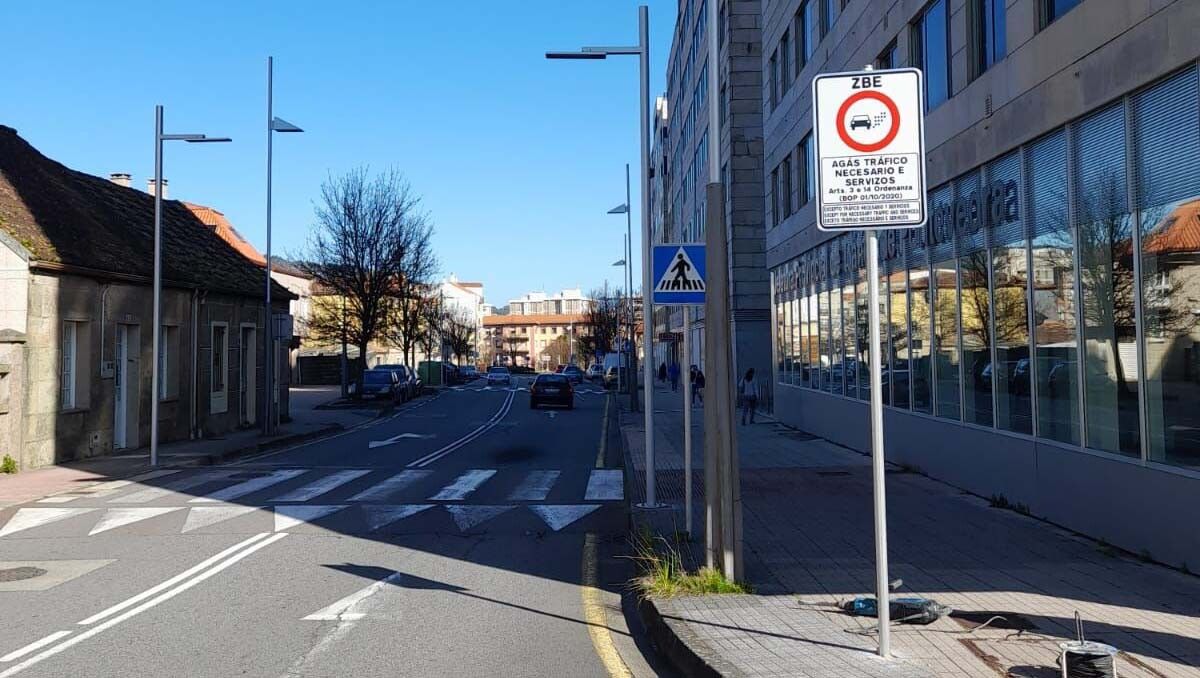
(246, 370)
(119, 388)
(125, 387)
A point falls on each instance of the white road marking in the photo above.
(170, 582)
(35, 645)
(113, 486)
(117, 517)
(97, 630)
(287, 517)
(321, 486)
(535, 487)
(152, 493)
(468, 516)
(390, 486)
(395, 439)
(384, 515)
(438, 454)
(203, 516)
(59, 499)
(350, 608)
(605, 484)
(558, 516)
(463, 485)
(33, 517)
(250, 486)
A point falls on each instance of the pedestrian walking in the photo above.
(662, 372)
(747, 391)
(674, 373)
(697, 378)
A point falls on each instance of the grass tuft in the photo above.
(9, 465)
(664, 575)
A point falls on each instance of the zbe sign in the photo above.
(870, 149)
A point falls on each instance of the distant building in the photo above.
(568, 301)
(76, 313)
(537, 340)
(465, 298)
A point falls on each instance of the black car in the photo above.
(381, 384)
(551, 389)
(409, 386)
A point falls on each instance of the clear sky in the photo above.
(518, 158)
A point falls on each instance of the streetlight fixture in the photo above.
(642, 51)
(624, 209)
(159, 138)
(274, 124)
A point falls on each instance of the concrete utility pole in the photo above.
(722, 482)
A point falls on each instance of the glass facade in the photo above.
(1054, 292)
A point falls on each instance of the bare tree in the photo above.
(603, 319)
(512, 343)
(368, 231)
(458, 331)
(409, 309)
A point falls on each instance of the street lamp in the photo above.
(642, 51)
(274, 124)
(159, 138)
(624, 209)
(620, 311)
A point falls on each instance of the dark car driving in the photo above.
(551, 389)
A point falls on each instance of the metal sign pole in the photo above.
(687, 422)
(882, 598)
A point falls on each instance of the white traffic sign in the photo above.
(870, 149)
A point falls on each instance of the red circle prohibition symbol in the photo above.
(881, 98)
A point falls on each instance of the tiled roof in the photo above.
(1178, 233)
(532, 319)
(288, 268)
(62, 216)
(228, 233)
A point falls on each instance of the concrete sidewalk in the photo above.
(809, 545)
(308, 421)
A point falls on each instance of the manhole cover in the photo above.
(248, 475)
(20, 573)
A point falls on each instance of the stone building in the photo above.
(76, 265)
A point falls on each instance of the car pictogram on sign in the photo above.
(860, 121)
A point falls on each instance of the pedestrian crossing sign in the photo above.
(679, 275)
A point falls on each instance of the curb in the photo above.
(675, 649)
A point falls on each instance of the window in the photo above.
(773, 83)
(220, 349)
(947, 380)
(721, 23)
(931, 52)
(826, 17)
(808, 176)
(975, 299)
(775, 197)
(168, 374)
(1010, 374)
(888, 57)
(805, 33)
(900, 349)
(988, 19)
(785, 186)
(68, 365)
(784, 76)
(1052, 10)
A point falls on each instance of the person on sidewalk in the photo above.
(747, 391)
(662, 372)
(697, 378)
(674, 374)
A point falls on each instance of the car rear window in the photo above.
(551, 379)
(497, 370)
(377, 377)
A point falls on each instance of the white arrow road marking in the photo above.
(535, 486)
(384, 515)
(152, 493)
(464, 485)
(203, 516)
(552, 414)
(253, 485)
(351, 607)
(605, 485)
(395, 439)
(468, 516)
(323, 485)
(117, 517)
(558, 516)
(35, 645)
(383, 490)
(246, 547)
(287, 517)
(32, 517)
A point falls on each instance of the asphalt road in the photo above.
(464, 536)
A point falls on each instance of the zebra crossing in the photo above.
(350, 500)
(579, 390)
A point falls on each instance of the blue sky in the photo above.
(517, 158)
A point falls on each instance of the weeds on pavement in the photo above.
(662, 573)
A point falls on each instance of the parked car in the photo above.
(498, 374)
(468, 373)
(409, 388)
(573, 374)
(594, 372)
(380, 384)
(559, 369)
(552, 389)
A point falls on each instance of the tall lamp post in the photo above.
(620, 349)
(274, 124)
(624, 209)
(642, 51)
(159, 138)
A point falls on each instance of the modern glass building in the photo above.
(1041, 337)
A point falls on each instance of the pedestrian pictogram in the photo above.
(679, 274)
(870, 149)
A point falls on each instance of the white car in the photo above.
(499, 375)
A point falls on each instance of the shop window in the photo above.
(1104, 226)
(862, 312)
(920, 321)
(1011, 371)
(1167, 194)
(975, 305)
(848, 244)
(897, 368)
(837, 346)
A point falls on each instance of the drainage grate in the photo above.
(1007, 621)
(20, 573)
